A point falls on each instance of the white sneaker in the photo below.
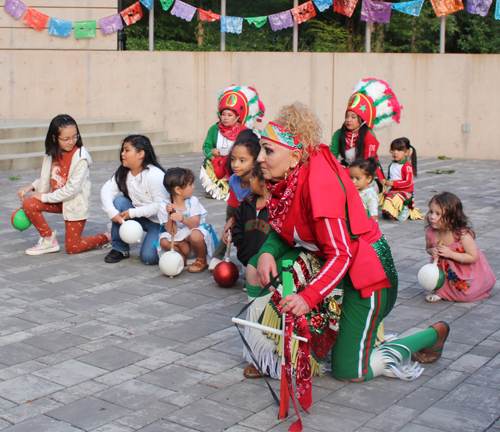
(213, 263)
(45, 245)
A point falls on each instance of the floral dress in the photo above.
(464, 282)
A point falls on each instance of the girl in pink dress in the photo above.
(450, 239)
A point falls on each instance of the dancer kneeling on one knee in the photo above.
(135, 192)
(345, 282)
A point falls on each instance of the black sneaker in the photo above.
(115, 256)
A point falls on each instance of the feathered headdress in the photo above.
(245, 102)
(374, 101)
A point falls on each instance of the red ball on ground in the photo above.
(226, 274)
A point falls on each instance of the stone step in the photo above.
(16, 129)
(99, 154)
(105, 139)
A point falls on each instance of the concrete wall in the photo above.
(15, 35)
(176, 91)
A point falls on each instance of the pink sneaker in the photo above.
(45, 245)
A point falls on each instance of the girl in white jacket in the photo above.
(135, 192)
(63, 187)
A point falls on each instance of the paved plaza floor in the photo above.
(90, 346)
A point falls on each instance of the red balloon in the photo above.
(226, 274)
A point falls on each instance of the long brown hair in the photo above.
(453, 218)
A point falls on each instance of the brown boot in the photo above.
(430, 355)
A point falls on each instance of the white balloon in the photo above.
(171, 263)
(131, 231)
(428, 277)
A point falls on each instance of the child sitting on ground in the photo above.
(398, 201)
(250, 227)
(362, 173)
(450, 239)
(184, 216)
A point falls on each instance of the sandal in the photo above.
(198, 266)
(252, 372)
(432, 298)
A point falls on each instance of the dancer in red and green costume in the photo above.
(344, 274)
(372, 105)
(239, 108)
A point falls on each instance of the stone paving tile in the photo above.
(70, 373)
(42, 423)
(366, 398)
(147, 415)
(208, 416)
(211, 361)
(111, 358)
(165, 425)
(94, 330)
(10, 325)
(244, 395)
(452, 418)
(88, 413)
(28, 410)
(19, 352)
(446, 380)
(475, 397)
(55, 341)
(134, 394)
(188, 396)
(174, 377)
(392, 419)
(26, 388)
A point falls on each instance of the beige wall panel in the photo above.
(29, 39)
(71, 14)
(176, 91)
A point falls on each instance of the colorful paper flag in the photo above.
(85, 29)
(345, 7)
(208, 15)
(281, 20)
(323, 5)
(165, 4)
(229, 24)
(60, 27)
(132, 14)
(147, 3)
(304, 12)
(111, 24)
(410, 7)
(376, 11)
(257, 21)
(446, 7)
(183, 10)
(478, 7)
(35, 19)
(15, 7)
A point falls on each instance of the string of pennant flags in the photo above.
(371, 11)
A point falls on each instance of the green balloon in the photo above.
(20, 221)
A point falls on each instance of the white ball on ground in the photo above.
(131, 231)
(171, 263)
(431, 277)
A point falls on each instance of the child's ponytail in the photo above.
(413, 158)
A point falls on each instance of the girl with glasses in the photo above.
(63, 187)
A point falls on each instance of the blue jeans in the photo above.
(149, 253)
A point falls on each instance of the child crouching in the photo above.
(184, 216)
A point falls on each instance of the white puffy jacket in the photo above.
(75, 194)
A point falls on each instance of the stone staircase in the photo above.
(22, 142)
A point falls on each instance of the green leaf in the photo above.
(444, 158)
(14, 177)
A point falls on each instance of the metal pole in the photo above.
(223, 34)
(442, 36)
(121, 34)
(368, 37)
(152, 28)
(295, 30)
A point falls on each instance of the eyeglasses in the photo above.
(67, 140)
